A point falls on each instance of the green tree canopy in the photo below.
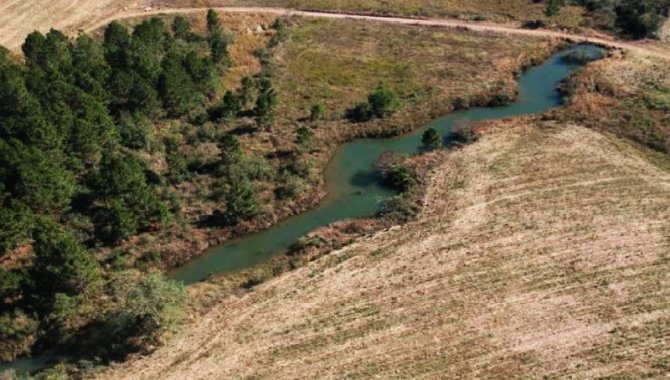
(61, 265)
(431, 139)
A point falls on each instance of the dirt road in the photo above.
(18, 18)
(440, 23)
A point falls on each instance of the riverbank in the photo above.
(431, 70)
(506, 272)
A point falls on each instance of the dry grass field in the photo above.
(543, 251)
(492, 10)
(628, 96)
(20, 17)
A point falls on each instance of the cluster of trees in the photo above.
(631, 18)
(72, 118)
(381, 103)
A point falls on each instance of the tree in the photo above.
(34, 49)
(248, 92)
(10, 285)
(176, 87)
(383, 102)
(213, 23)
(119, 176)
(122, 178)
(116, 45)
(181, 27)
(202, 72)
(117, 223)
(61, 265)
(230, 149)
(16, 220)
(266, 103)
(229, 107)
(641, 18)
(146, 307)
(241, 202)
(431, 139)
(35, 178)
(218, 46)
(553, 8)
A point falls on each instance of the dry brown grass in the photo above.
(543, 252)
(20, 17)
(336, 63)
(492, 10)
(626, 95)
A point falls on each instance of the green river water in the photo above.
(354, 187)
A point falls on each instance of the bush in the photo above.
(383, 102)
(18, 332)
(317, 112)
(464, 133)
(397, 209)
(360, 113)
(400, 177)
(304, 136)
(146, 308)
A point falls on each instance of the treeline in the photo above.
(73, 118)
(630, 18)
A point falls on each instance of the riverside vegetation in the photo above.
(115, 148)
(84, 177)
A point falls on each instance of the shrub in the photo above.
(304, 136)
(146, 308)
(397, 209)
(317, 112)
(400, 177)
(18, 332)
(383, 102)
(464, 133)
(360, 113)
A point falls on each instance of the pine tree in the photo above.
(553, 8)
(431, 140)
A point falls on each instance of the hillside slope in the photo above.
(543, 251)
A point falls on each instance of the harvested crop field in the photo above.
(543, 251)
(20, 17)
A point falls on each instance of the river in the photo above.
(354, 188)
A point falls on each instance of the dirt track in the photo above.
(20, 17)
(441, 23)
